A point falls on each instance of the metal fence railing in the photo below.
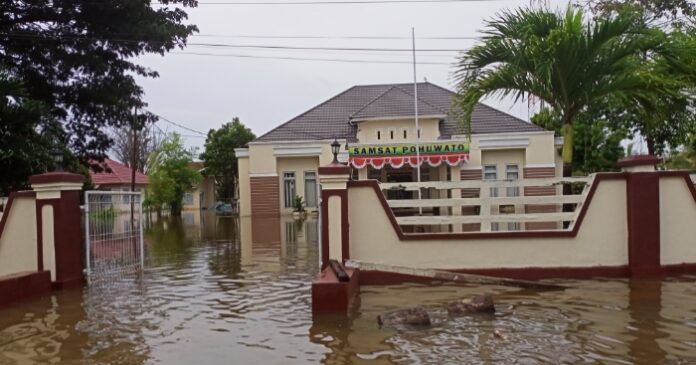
(113, 232)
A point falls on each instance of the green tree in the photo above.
(563, 59)
(78, 58)
(23, 122)
(676, 13)
(171, 175)
(597, 143)
(219, 158)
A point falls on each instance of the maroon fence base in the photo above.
(331, 295)
(24, 286)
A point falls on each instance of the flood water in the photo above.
(212, 295)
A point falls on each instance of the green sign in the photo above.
(408, 149)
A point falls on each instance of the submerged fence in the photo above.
(113, 233)
(488, 205)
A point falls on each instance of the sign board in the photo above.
(408, 149)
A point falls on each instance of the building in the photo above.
(203, 195)
(375, 125)
(118, 178)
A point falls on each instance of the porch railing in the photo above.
(485, 206)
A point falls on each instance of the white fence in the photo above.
(113, 232)
(492, 205)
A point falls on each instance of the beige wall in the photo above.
(601, 240)
(18, 251)
(298, 165)
(539, 149)
(48, 240)
(367, 130)
(261, 159)
(244, 188)
(677, 222)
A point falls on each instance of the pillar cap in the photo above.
(56, 177)
(334, 169)
(638, 160)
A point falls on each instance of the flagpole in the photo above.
(415, 107)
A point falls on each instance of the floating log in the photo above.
(339, 271)
(471, 305)
(451, 276)
(412, 316)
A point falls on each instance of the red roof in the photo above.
(120, 175)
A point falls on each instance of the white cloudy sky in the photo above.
(202, 92)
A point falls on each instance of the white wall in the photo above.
(601, 240)
(677, 222)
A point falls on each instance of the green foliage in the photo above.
(597, 143)
(298, 204)
(677, 13)
(562, 58)
(219, 158)
(171, 175)
(26, 136)
(77, 58)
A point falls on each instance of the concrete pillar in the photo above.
(643, 208)
(334, 212)
(59, 232)
(362, 173)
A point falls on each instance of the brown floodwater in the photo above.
(209, 295)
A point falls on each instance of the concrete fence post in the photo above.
(58, 226)
(643, 208)
(334, 212)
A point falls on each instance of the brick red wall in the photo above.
(539, 173)
(265, 196)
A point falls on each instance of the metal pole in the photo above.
(415, 105)
(142, 240)
(87, 245)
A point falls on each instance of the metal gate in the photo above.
(113, 233)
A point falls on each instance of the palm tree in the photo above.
(562, 59)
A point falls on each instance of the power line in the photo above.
(332, 37)
(306, 59)
(335, 2)
(179, 125)
(228, 45)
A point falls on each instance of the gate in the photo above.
(113, 233)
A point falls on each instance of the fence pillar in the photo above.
(58, 221)
(643, 212)
(334, 212)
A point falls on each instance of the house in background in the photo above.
(375, 124)
(203, 196)
(119, 178)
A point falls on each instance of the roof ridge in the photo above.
(308, 111)
(371, 101)
(423, 100)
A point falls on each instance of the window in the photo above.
(490, 172)
(379, 134)
(512, 172)
(126, 197)
(405, 133)
(310, 188)
(187, 199)
(391, 134)
(289, 188)
(419, 132)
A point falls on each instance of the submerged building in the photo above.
(375, 125)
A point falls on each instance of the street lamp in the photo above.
(335, 147)
(57, 155)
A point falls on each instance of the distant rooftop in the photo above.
(120, 175)
(331, 119)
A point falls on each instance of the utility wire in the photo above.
(306, 59)
(228, 45)
(333, 2)
(332, 37)
(179, 125)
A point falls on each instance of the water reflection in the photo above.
(224, 290)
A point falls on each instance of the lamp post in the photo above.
(57, 155)
(335, 147)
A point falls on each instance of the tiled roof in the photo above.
(331, 119)
(120, 175)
